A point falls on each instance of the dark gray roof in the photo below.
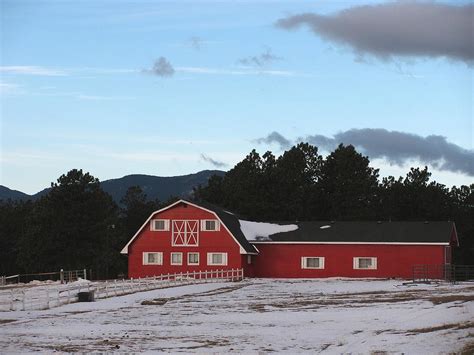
(377, 232)
(231, 221)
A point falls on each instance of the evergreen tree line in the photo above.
(77, 225)
(300, 185)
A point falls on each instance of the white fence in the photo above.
(54, 295)
(63, 276)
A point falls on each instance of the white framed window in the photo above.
(216, 258)
(176, 258)
(249, 259)
(160, 225)
(210, 225)
(365, 263)
(312, 262)
(152, 258)
(193, 258)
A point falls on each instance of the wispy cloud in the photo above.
(9, 88)
(32, 70)
(213, 162)
(260, 60)
(162, 68)
(196, 42)
(396, 29)
(80, 96)
(220, 71)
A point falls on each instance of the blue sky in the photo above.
(78, 89)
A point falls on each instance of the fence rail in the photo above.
(448, 272)
(49, 296)
(63, 276)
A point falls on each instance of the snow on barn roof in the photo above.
(231, 221)
(257, 231)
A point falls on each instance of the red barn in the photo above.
(187, 236)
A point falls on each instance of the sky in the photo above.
(174, 87)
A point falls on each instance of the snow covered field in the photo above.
(256, 315)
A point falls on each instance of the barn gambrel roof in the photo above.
(354, 232)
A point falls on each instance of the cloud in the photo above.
(397, 29)
(219, 71)
(215, 163)
(399, 147)
(275, 137)
(32, 70)
(260, 60)
(394, 146)
(196, 43)
(9, 88)
(162, 67)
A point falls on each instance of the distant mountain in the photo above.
(155, 187)
(7, 194)
(158, 187)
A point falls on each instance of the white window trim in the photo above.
(171, 258)
(145, 258)
(249, 259)
(189, 263)
(203, 225)
(167, 225)
(224, 259)
(304, 263)
(356, 263)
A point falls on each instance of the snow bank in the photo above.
(254, 231)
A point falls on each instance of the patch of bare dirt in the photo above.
(451, 298)
(454, 326)
(185, 298)
(5, 321)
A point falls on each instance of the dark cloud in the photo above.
(397, 29)
(260, 60)
(275, 137)
(162, 67)
(216, 163)
(396, 147)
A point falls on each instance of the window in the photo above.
(312, 262)
(193, 258)
(249, 259)
(216, 258)
(152, 258)
(210, 225)
(176, 258)
(365, 263)
(160, 224)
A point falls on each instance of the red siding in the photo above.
(284, 260)
(153, 241)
